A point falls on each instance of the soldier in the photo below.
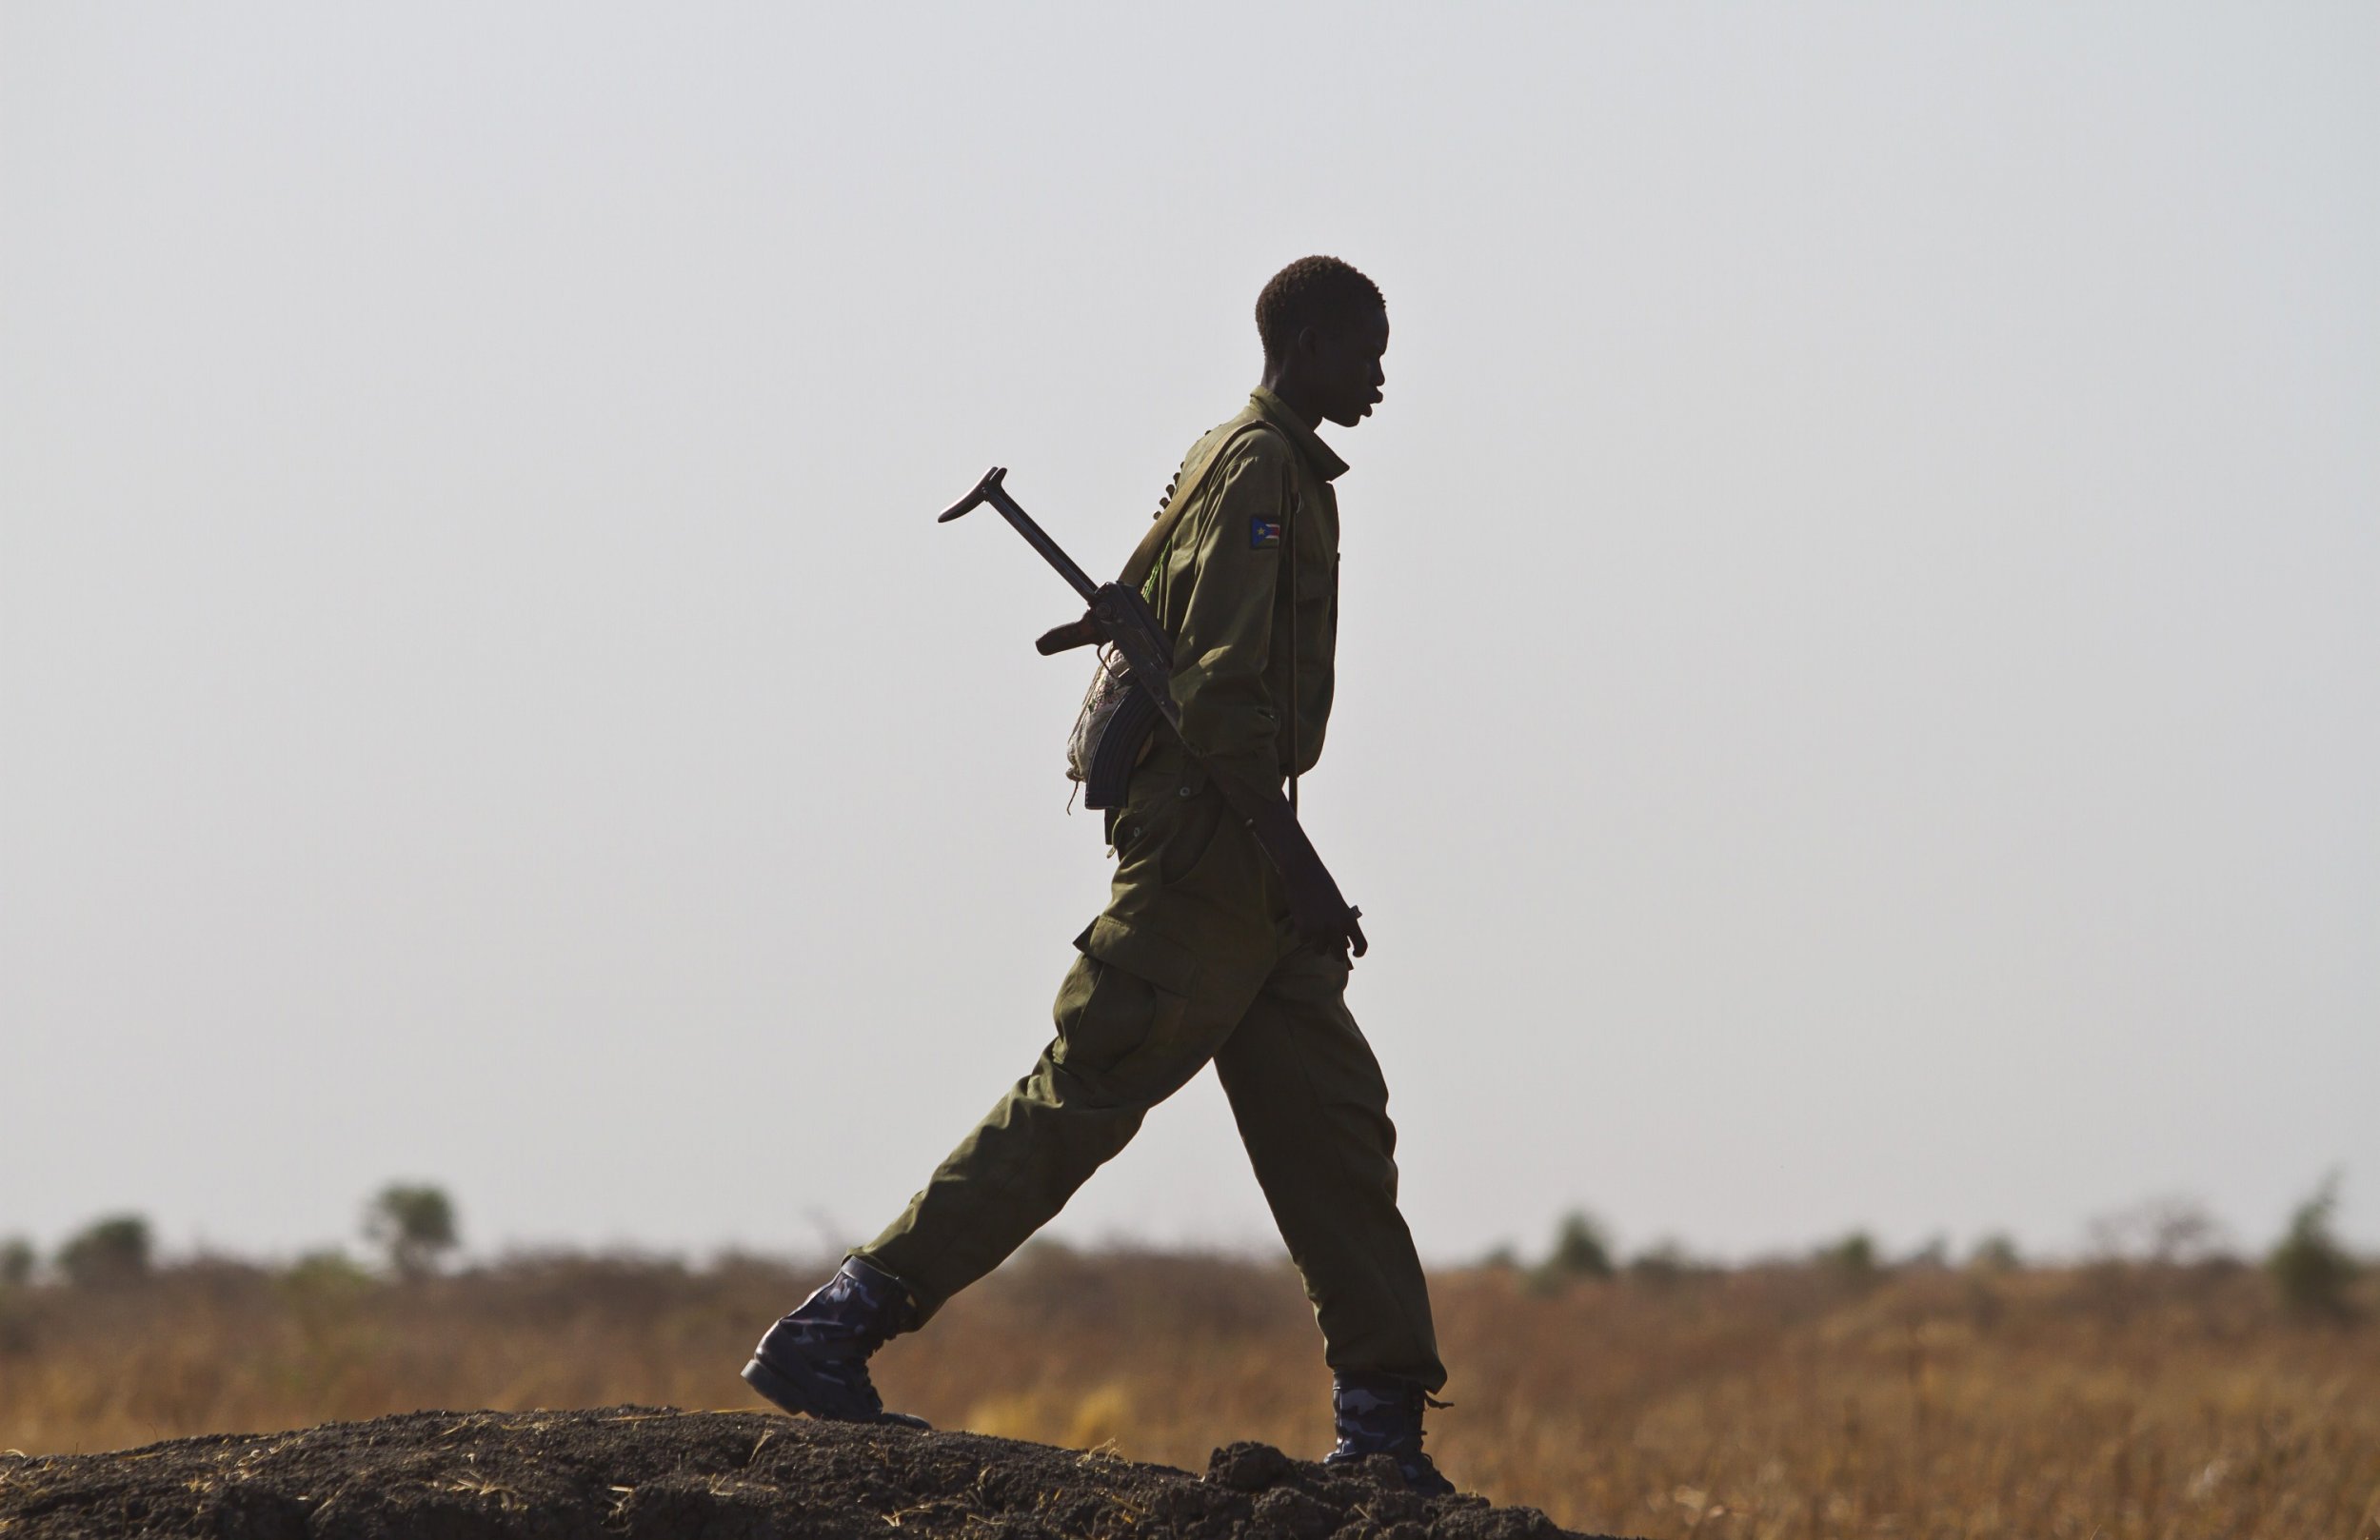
(1206, 951)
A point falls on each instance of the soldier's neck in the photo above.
(1285, 385)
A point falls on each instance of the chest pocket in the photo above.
(1318, 584)
(1308, 608)
(1313, 536)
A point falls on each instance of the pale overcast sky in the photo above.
(1860, 678)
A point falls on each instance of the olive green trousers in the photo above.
(1193, 962)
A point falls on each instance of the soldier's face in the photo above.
(1346, 370)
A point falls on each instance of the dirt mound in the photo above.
(721, 1476)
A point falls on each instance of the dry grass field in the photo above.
(2100, 1403)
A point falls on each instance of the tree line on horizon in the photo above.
(413, 1228)
(412, 1225)
(2310, 1266)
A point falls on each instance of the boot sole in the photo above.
(792, 1389)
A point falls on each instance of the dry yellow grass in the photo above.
(2114, 1402)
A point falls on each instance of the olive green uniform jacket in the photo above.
(1248, 591)
(1193, 960)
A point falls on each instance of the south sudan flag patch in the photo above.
(1263, 532)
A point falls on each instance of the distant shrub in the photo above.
(325, 1291)
(1581, 1249)
(2173, 1230)
(320, 1274)
(2310, 1267)
(16, 1262)
(1995, 1254)
(1852, 1258)
(109, 1251)
(413, 1224)
(1662, 1264)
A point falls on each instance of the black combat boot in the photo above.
(1382, 1414)
(815, 1360)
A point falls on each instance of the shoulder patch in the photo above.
(1263, 532)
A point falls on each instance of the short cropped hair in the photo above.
(1313, 291)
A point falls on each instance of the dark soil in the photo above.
(630, 1471)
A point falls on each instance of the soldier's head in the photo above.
(1324, 328)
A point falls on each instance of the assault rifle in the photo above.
(1121, 619)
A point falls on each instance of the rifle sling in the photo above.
(1160, 534)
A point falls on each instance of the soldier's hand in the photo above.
(1317, 911)
(1324, 919)
(1348, 937)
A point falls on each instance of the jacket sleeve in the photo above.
(1225, 641)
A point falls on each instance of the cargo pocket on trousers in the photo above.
(1125, 1000)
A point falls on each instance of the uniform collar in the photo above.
(1325, 463)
